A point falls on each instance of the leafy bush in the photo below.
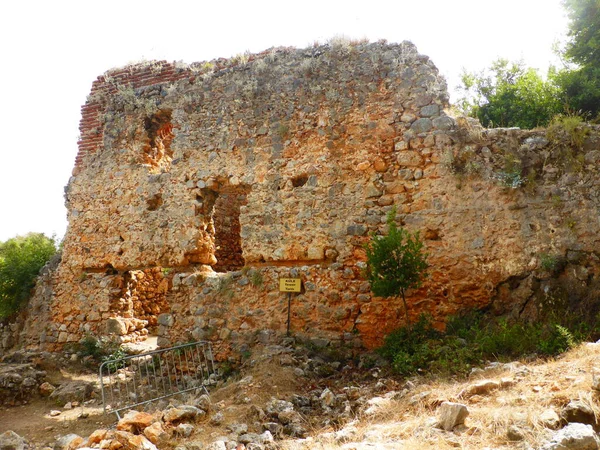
(21, 259)
(396, 262)
(510, 94)
(101, 350)
(469, 340)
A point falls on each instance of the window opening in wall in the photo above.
(159, 132)
(226, 225)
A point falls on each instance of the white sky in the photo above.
(52, 50)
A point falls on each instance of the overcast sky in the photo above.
(53, 50)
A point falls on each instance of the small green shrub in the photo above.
(225, 287)
(511, 174)
(396, 262)
(570, 128)
(549, 263)
(100, 350)
(256, 278)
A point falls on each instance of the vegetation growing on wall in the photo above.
(396, 262)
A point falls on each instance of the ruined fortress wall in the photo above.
(211, 181)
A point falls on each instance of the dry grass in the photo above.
(529, 391)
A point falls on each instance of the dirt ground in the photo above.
(33, 420)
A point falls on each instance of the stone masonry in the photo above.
(197, 187)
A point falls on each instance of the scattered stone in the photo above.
(237, 428)
(183, 412)
(574, 436)
(578, 412)
(266, 437)
(135, 421)
(10, 440)
(156, 433)
(274, 407)
(217, 445)
(97, 436)
(83, 415)
(54, 413)
(68, 442)
(327, 398)
(287, 417)
(451, 415)
(514, 433)
(549, 419)
(248, 438)
(203, 402)
(134, 442)
(418, 398)
(255, 413)
(46, 389)
(70, 391)
(483, 387)
(217, 419)
(295, 430)
(184, 429)
(273, 427)
(375, 405)
(68, 405)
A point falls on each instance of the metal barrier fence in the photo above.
(140, 379)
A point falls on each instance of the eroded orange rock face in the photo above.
(197, 188)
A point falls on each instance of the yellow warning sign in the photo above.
(290, 285)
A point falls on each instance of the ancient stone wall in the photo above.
(216, 179)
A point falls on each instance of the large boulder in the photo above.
(10, 440)
(575, 436)
(72, 391)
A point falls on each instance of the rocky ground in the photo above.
(292, 396)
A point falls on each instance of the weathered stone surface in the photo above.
(550, 419)
(183, 412)
(156, 434)
(68, 442)
(134, 442)
(184, 430)
(19, 383)
(10, 440)
(451, 415)
(72, 391)
(578, 411)
(216, 445)
(46, 389)
(135, 421)
(483, 387)
(187, 174)
(575, 436)
(97, 436)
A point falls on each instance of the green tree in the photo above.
(396, 262)
(580, 86)
(510, 95)
(21, 259)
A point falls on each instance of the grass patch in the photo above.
(471, 339)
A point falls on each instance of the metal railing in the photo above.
(140, 379)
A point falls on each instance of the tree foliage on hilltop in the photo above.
(509, 94)
(581, 86)
(21, 259)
